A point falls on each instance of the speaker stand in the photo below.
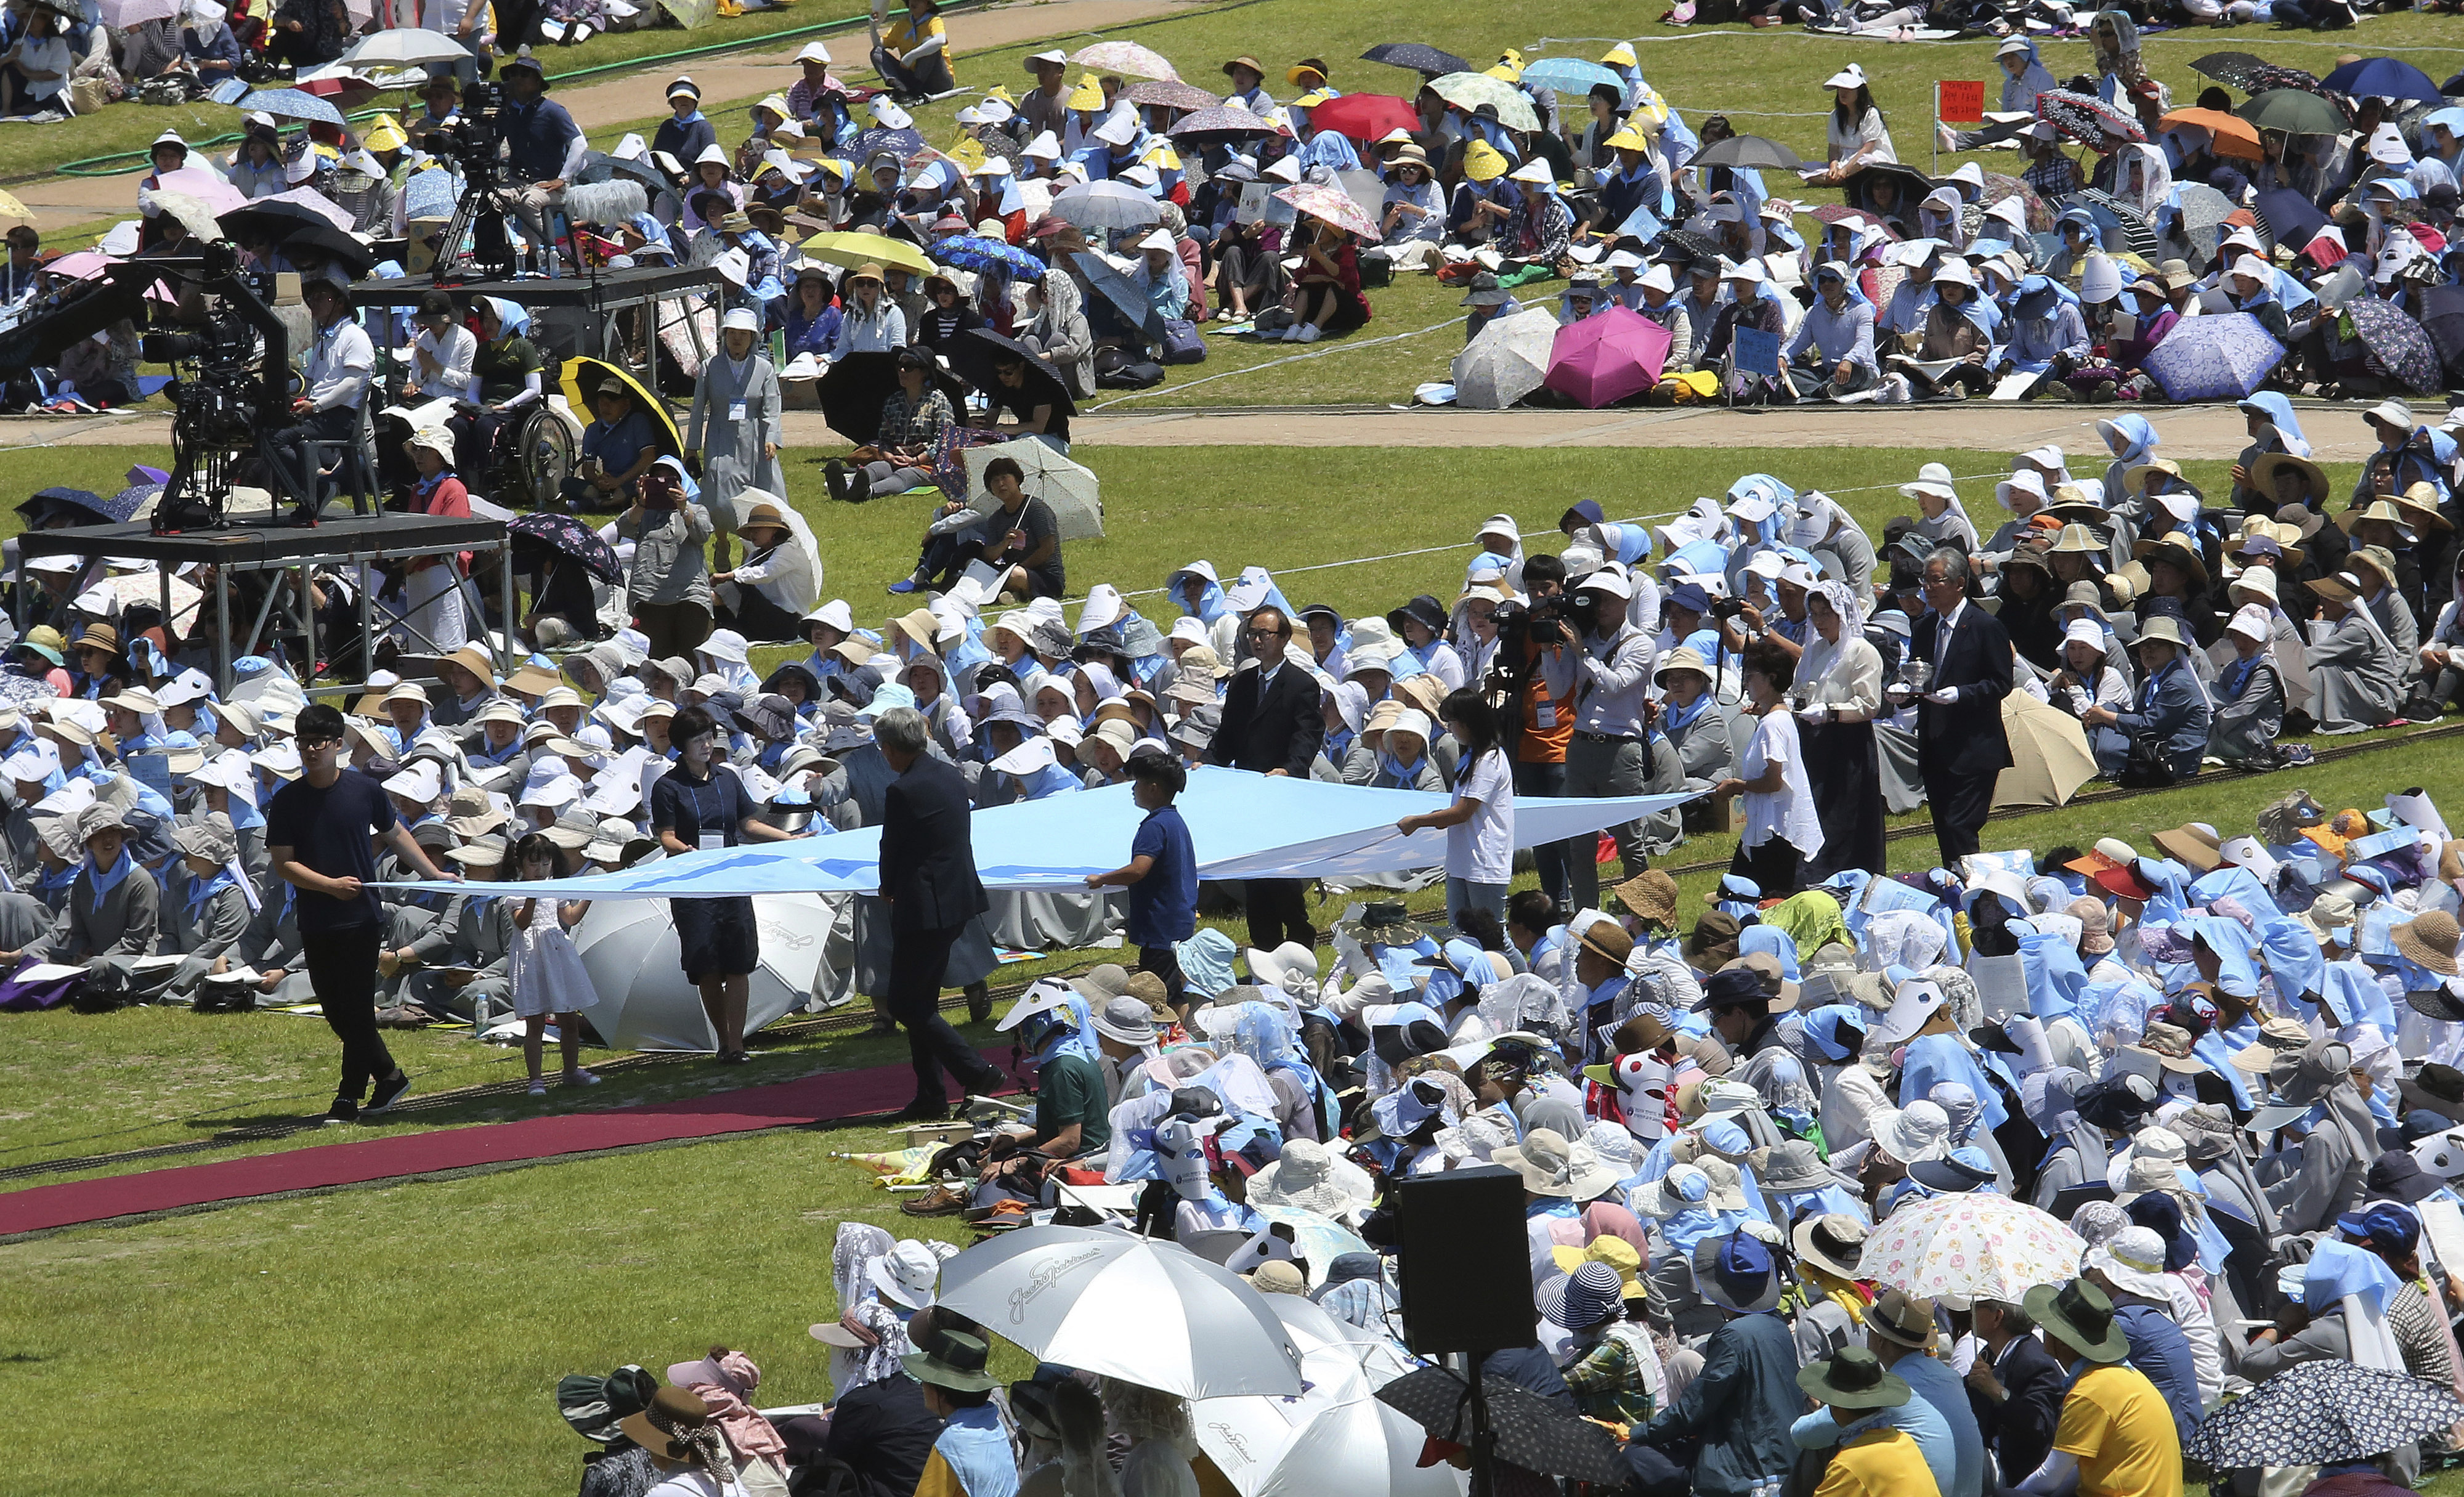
(1484, 1440)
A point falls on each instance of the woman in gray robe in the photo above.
(2249, 692)
(2356, 678)
(736, 421)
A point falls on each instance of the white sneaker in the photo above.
(579, 1077)
(1310, 333)
(539, 1087)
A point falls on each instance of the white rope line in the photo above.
(2144, 38)
(1275, 364)
(1639, 520)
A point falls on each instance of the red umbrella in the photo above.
(1607, 357)
(1365, 116)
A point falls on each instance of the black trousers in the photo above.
(1772, 866)
(342, 970)
(918, 961)
(1960, 803)
(1278, 912)
(1165, 962)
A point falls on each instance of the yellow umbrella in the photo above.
(2049, 753)
(10, 207)
(852, 250)
(583, 378)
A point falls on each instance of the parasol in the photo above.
(849, 250)
(2252, 75)
(1365, 116)
(565, 536)
(1147, 1312)
(2322, 1413)
(1073, 491)
(1170, 94)
(2115, 217)
(2288, 217)
(2235, 135)
(291, 103)
(1531, 1432)
(1506, 361)
(1334, 1437)
(1220, 125)
(2214, 357)
(194, 216)
(10, 207)
(1126, 57)
(2293, 111)
(1857, 192)
(122, 15)
(1418, 56)
(1747, 150)
(1972, 1246)
(901, 142)
(1330, 203)
(1106, 205)
(1123, 292)
(1998, 185)
(583, 378)
(1572, 75)
(2204, 213)
(218, 194)
(2087, 118)
(2383, 78)
(1607, 357)
(851, 393)
(78, 503)
(2399, 348)
(976, 253)
(403, 47)
(1696, 246)
(1467, 91)
(1043, 384)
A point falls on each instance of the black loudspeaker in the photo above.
(1464, 1262)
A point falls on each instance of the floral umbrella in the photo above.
(2252, 75)
(1469, 91)
(2087, 118)
(2399, 348)
(1971, 1247)
(2322, 1413)
(2214, 357)
(1126, 57)
(1170, 94)
(1330, 203)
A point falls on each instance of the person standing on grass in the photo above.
(548, 977)
(319, 833)
(1480, 823)
(1162, 874)
(928, 876)
(694, 807)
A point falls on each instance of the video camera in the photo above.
(474, 138)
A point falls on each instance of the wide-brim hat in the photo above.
(1853, 1378)
(1738, 1273)
(654, 1428)
(1901, 1319)
(2314, 477)
(2081, 1314)
(1832, 1242)
(956, 1363)
(2175, 548)
(1652, 895)
(2428, 940)
(2439, 1089)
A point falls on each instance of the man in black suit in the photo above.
(2017, 1390)
(1272, 724)
(928, 875)
(1961, 747)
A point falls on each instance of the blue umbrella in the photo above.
(1120, 291)
(2381, 78)
(976, 251)
(2214, 357)
(1571, 75)
(49, 503)
(292, 104)
(2291, 219)
(901, 143)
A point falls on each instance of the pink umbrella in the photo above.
(83, 265)
(315, 202)
(1330, 203)
(1607, 357)
(219, 196)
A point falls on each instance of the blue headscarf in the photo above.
(2279, 415)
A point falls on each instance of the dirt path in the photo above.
(2205, 431)
(734, 79)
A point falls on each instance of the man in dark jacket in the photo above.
(1961, 746)
(1272, 725)
(881, 1432)
(2015, 1389)
(1739, 1407)
(928, 875)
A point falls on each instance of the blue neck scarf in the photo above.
(203, 889)
(1676, 719)
(99, 881)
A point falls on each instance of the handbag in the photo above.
(1181, 342)
(2147, 767)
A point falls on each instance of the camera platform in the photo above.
(577, 314)
(342, 541)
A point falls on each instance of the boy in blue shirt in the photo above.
(1162, 874)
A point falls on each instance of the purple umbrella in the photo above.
(566, 537)
(1607, 357)
(2399, 348)
(2214, 357)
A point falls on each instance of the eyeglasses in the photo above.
(308, 745)
(1268, 633)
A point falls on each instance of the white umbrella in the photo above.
(1337, 1437)
(1106, 205)
(1074, 492)
(1148, 1312)
(193, 216)
(1507, 361)
(629, 948)
(122, 15)
(403, 47)
(148, 588)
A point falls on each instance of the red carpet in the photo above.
(830, 1095)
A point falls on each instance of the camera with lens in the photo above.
(1543, 622)
(1726, 608)
(471, 139)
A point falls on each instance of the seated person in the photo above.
(2170, 707)
(616, 449)
(1036, 410)
(2249, 692)
(912, 421)
(1022, 538)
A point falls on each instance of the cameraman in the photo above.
(542, 145)
(1544, 670)
(1611, 753)
(341, 364)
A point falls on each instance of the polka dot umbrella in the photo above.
(1969, 1248)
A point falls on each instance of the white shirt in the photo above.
(338, 365)
(453, 354)
(1481, 850)
(1788, 811)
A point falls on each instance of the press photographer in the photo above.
(1532, 685)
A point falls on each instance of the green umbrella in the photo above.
(1469, 91)
(2293, 111)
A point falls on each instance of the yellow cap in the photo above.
(1087, 94)
(1310, 100)
(1627, 140)
(384, 135)
(968, 153)
(1620, 55)
(1483, 162)
(1614, 1251)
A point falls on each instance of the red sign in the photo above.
(1956, 103)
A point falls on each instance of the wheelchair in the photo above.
(526, 462)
